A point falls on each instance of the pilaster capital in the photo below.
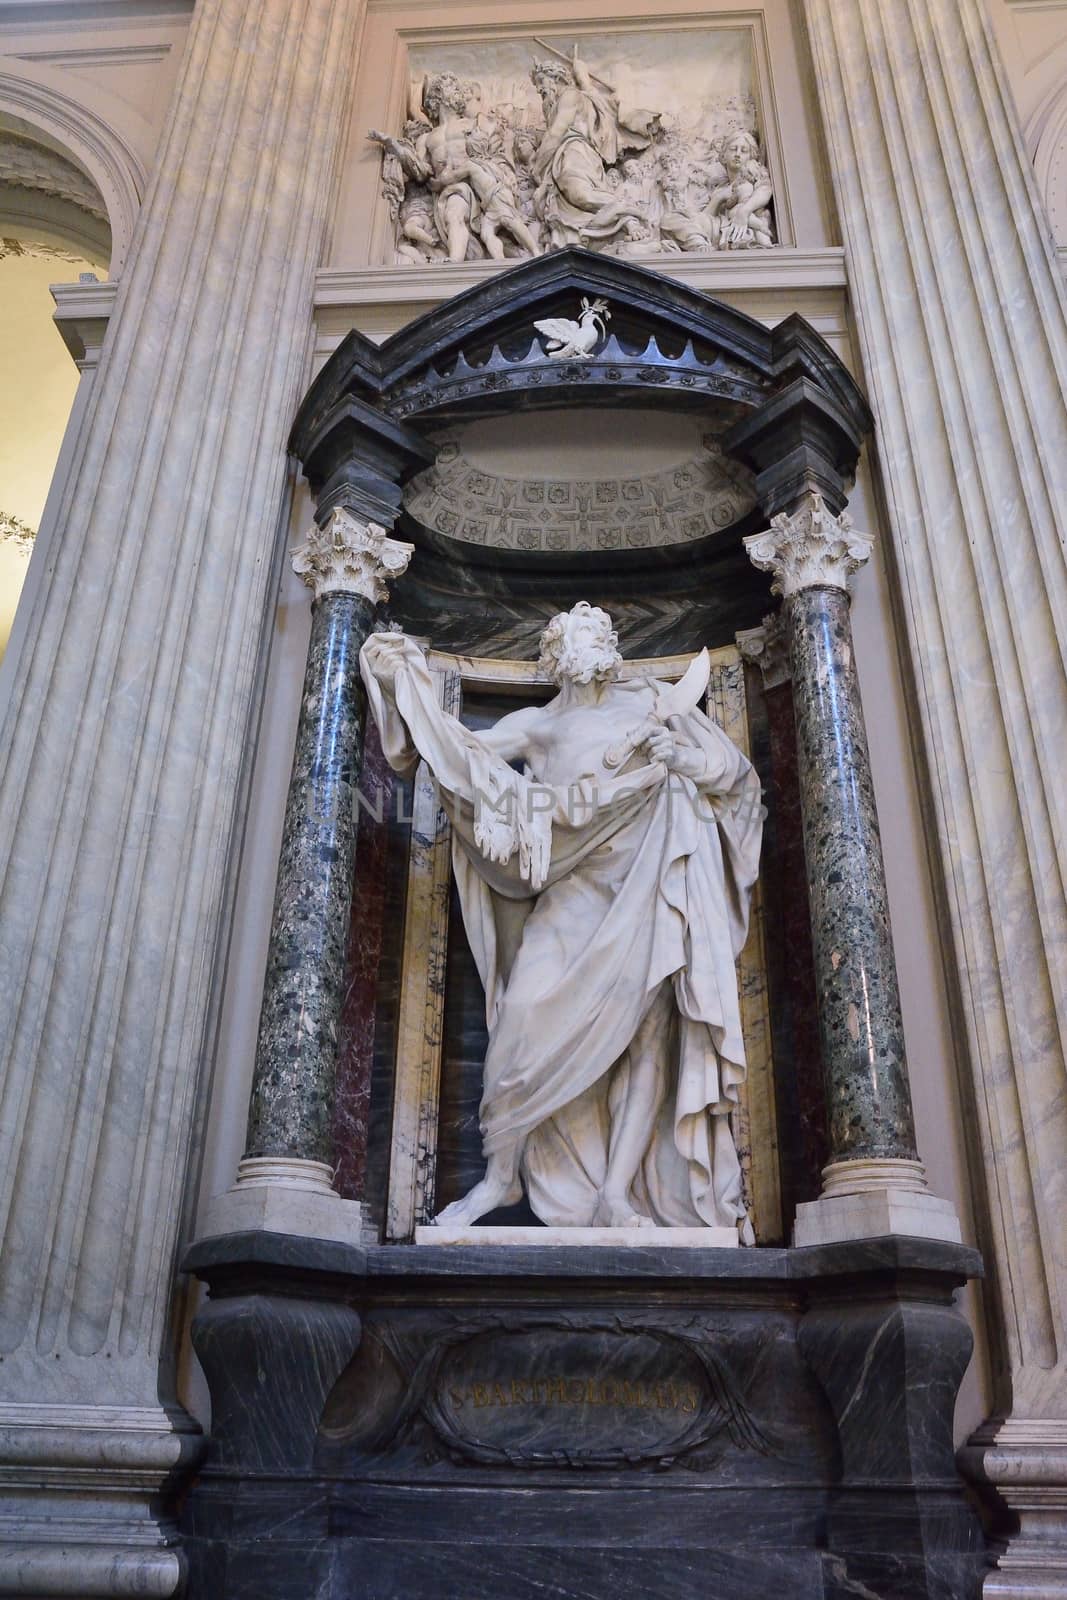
(350, 556)
(809, 548)
(767, 647)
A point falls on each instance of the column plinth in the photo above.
(874, 1183)
(284, 1181)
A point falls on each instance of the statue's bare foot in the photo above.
(612, 1212)
(483, 1198)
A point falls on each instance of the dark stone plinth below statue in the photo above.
(496, 1424)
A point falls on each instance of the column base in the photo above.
(1025, 1463)
(870, 1199)
(283, 1194)
(80, 1488)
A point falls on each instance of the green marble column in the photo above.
(874, 1181)
(284, 1181)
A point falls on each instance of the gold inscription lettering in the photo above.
(560, 1391)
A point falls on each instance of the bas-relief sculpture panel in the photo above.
(632, 144)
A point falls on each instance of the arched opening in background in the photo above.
(53, 229)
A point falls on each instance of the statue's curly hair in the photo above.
(554, 648)
(444, 89)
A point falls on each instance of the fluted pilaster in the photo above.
(126, 737)
(960, 312)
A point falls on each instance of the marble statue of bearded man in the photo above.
(605, 910)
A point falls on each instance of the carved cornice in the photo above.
(14, 531)
(29, 165)
(350, 557)
(809, 548)
(39, 251)
(464, 357)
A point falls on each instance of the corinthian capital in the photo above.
(809, 548)
(348, 556)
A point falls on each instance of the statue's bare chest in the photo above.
(447, 143)
(572, 743)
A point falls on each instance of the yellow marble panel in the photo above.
(417, 1082)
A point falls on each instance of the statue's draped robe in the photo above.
(644, 903)
(590, 134)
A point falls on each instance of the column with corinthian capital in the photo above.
(874, 1183)
(284, 1181)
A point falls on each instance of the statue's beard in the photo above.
(587, 666)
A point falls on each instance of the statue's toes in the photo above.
(620, 1215)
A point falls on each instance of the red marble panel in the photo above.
(356, 1038)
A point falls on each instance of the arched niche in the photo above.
(94, 132)
(474, 391)
(70, 187)
(48, 205)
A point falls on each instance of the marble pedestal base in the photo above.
(287, 1196)
(871, 1199)
(620, 1424)
(834, 1219)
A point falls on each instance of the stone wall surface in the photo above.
(961, 320)
(134, 699)
(131, 708)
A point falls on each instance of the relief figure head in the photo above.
(550, 78)
(445, 93)
(738, 149)
(580, 645)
